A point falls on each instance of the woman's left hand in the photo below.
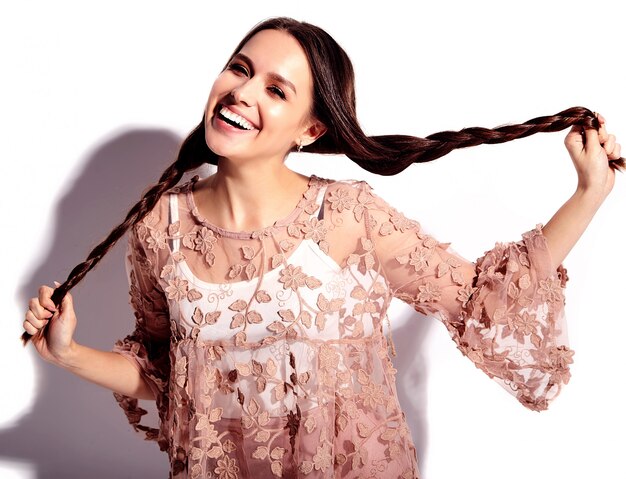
(591, 151)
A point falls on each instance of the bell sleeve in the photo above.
(504, 311)
(147, 347)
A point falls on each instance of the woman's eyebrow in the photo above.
(274, 76)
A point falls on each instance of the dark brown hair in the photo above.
(334, 104)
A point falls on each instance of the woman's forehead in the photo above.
(275, 51)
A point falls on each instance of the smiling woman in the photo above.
(258, 89)
(261, 295)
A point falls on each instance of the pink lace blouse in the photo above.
(266, 351)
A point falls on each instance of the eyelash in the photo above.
(278, 91)
(240, 68)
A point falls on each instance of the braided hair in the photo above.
(334, 104)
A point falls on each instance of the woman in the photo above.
(260, 294)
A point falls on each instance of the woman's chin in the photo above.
(223, 145)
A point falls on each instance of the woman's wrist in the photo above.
(67, 359)
(590, 194)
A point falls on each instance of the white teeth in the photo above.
(232, 116)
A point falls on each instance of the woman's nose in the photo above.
(244, 93)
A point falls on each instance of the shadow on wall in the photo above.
(75, 429)
(411, 379)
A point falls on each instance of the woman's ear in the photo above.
(315, 130)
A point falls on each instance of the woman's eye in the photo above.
(277, 91)
(239, 68)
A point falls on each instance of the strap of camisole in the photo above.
(175, 243)
(319, 201)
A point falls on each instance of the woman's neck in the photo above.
(247, 199)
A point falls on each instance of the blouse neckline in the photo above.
(290, 218)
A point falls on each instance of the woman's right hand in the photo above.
(57, 340)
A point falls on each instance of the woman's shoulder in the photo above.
(338, 182)
(352, 202)
(352, 198)
(343, 187)
(347, 193)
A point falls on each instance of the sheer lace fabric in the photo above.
(266, 351)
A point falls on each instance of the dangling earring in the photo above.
(299, 147)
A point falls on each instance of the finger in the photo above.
(616, 153)
(38, 310)
(30, 329)
(591, 138)
(67, 302)
(609, 144)
(34, 321)
(603, 135)
(45, 292)
(574, 135)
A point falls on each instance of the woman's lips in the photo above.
(220, 124)
(235, 110)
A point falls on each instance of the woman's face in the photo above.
(269, 84)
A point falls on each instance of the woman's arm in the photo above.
(504, 311)
(106, 369)
(57, 346)
(590, 151)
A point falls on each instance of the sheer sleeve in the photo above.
(147, 347)
(504, 311)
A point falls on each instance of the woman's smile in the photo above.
(253, 111)
(227, 120)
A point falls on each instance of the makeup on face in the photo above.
(253, 108)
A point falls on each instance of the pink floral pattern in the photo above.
(265, 350)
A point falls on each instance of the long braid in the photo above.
(192, 154)
(403, 150)
(334, 105)
(384, 155)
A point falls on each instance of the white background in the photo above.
(96, 97)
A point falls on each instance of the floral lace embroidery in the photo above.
(265, 350)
